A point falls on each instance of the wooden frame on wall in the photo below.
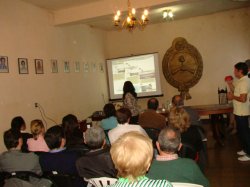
(23, 66)
(4, 66)
(39, 66)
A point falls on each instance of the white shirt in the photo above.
(242, 86)
(121, 129)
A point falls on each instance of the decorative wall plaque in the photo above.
(182, 66)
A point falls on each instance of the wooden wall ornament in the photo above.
(182, 66)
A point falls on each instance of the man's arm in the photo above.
(242, 98)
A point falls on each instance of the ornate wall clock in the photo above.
(182, 66)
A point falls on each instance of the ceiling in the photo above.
(181, 8)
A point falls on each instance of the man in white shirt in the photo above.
(240, 98)
(123, 116)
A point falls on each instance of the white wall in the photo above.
(26, 31)
(222, 39)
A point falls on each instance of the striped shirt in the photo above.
(145, 182)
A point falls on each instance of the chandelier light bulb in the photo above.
(133, 11)
(165, 15)
(143, 17)
(170, 14)
(116, 17)
(145, 12)
(128, 20)
(118, 13)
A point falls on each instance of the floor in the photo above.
(224, 170)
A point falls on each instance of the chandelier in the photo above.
(131, 22)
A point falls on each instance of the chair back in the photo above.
(101, 181)
(179, 184)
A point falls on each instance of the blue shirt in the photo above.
(109, 123)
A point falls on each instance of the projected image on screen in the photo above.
(141, 70)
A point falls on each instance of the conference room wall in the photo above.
(27, 32)
(222, 39)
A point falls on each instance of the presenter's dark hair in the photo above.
(128, 87)
(109, 110)
(17, 123)
(123, 115)
(153, 103)
(11, 138)
(242, 66)
(69, 123)
(53, 136)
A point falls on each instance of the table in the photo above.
(215, 113)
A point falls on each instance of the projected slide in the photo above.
(141, 70)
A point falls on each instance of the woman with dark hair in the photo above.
(110, 120)
(18, 124)
(130, 101)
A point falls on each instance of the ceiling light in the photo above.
(131, 22)
(168, 15)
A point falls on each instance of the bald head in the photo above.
(177, 101)
(153, 104)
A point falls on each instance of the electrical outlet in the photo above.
(36, 104)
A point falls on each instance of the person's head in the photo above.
(169, 141)
(179, 118)
(94, 137)
(18, 123)
(2, 59)
(132, 154)
(153, 104)
(240, 69)
(54, 137)
(69, 123)
(109, 110)
(123, 115)
(37, 128)
(128, 87)
(177, 101)
(248, 64)
(12, 139)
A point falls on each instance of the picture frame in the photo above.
(77, 66)
(4, 66)
(86, 67)
(101, 67)
(66, 67)
(39, 66)
(23, 66)
(54, 66)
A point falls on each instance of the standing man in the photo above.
(239, 96)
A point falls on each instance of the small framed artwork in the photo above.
(39, 66)
(77, 66)
(66, 67)
(94, 67)
(101, 67)
(86, 67)
(23, 66)
(54, 66)
(4, 67)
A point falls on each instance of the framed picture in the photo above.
(66, 67)
(77, 66)
(94, 67)
(101, 67)
(4, 67)
(86, 67)
(54, 66)
(39, 66)
(23, 66)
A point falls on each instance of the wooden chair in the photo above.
(100, 182)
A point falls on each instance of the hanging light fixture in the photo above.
(167, 15)
(131, 22)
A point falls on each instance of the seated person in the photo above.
(14, 160)
(151, 119)
(73, 134)
(167, 164)
(97, 162)
(58, 158)
(18, 124)
(179, 118)
(110, 120)
(177, 101)
(37, 143)
(123, 116)
(132, 154)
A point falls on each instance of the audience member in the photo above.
(18, 124)
(130, 101)
(248, 65)
(14, 160)
(123, 116)
(132, 154)
(179, 118)
(37, 143)
(151, 119)
(178, 101)
(110, 120)
(97, 162)
(58, 158)
(168, 165)
(240, 98)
